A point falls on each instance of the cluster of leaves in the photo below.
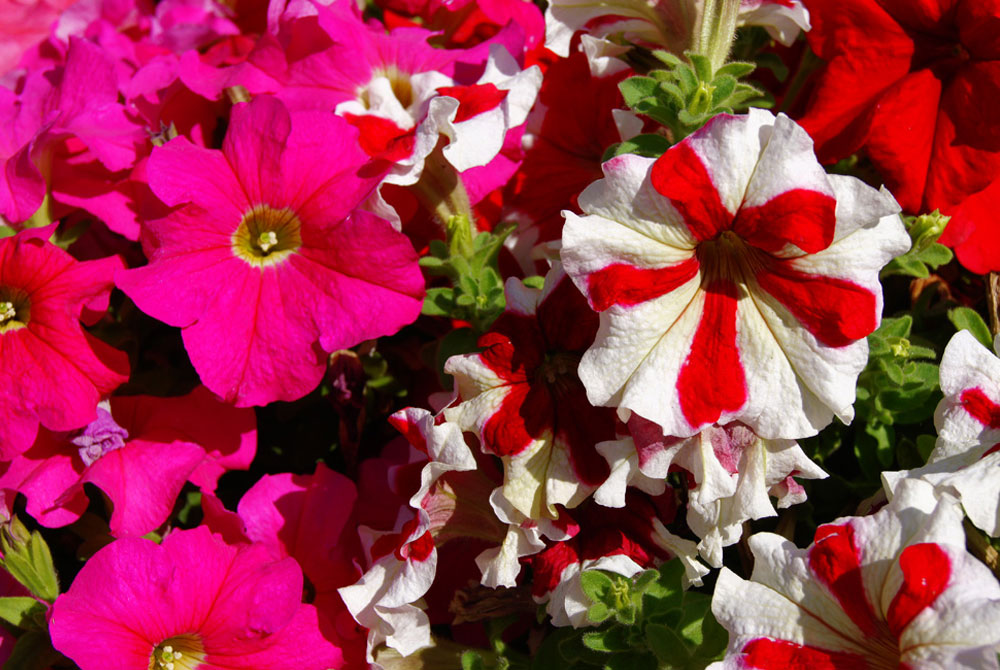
(470, 264)
(645, 623)
(475, 293)
(926, 253)
(682, 97)
(899, 386)
(26, 557)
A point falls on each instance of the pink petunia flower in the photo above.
(262, 262)
(402, 93)
(139, 451)
(311, 518)
(54, 373)
(736, 280)
(893, 590)
(966, 457)
(191, 602)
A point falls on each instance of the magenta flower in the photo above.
(140, 451)
(263, 264)
(53, 372)
(191, 602)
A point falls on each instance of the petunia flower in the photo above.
(732, 475)
(916, 87)
(522, 398)
(139, 451)
(262, 262)
(402, 93)
(736, 280)
(311, 518)
(663, 24)
(576, 119)
(192, 602)
(966, 458)
(893, 590)
(54, 373)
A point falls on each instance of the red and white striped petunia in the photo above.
(893, 590)
(736, 280)
(966, 457)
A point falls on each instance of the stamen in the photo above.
(267, 240)
(168, 655)
(7, 311)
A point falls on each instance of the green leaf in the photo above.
(599, 612)
(472, 660)
(702, 66)
(925, 445)
(668, 58)
(439, 302)
(723, 87)
(597, 586)
(28, 559)
(936, 255)
(609, 640)
(535, 281)
(649, 145)
(966, 318)
(23, 612)
(735, 69)
(438, 248)
(635, 89)
(898, 327)
(33, 651)
(687, 80)
(666, 644)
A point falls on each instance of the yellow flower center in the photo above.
(267, 235)
(398, 81)
(15, 309)
(180, 652)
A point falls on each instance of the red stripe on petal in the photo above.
(410, 430)
(837, 312)
(833, 558)
(982, 409)
(681, 177)
(419, 550)
(801, 217)
(712, 381)
(523, 416)
(782, 655)
(926, 570)
(627, 285)
(474, 100)
(381, 137)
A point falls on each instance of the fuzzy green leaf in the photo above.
(636, 89)
(966, 318)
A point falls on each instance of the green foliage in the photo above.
(683, 96)
(470, 263)
(925, 254)
(33, 651)
(966, 318)
(899, 386)
(648, 622)
(27, 558)
(23, 612)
